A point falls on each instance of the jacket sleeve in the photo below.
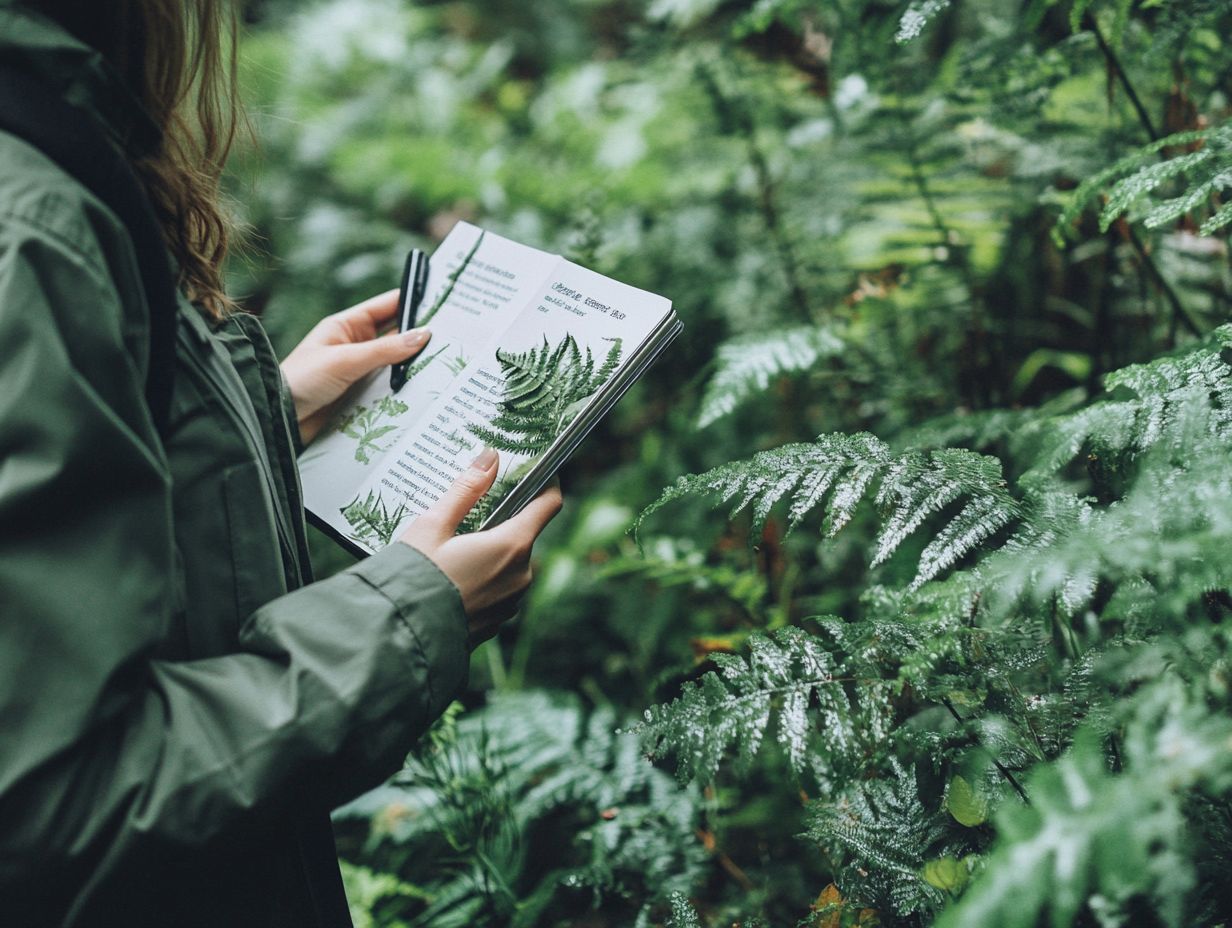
(104, 744)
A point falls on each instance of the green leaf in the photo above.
(946, 873)
(791, 675)
(966, 805)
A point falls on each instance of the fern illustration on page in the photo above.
(452, 282)
(372, 519)
(545, 388)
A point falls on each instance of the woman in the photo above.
(180, 707)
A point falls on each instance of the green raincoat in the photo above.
(180, 707)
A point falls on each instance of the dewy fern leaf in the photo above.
(746, 366)
(837, 471)
(1207, 171)
(1125, 192)
(881, 827)
(1089, 833)
(732, 709)
(530, 776)
(1141, 403)
(917, 16)
(683, 914)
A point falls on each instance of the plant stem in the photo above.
(1179, 312)
(1092, 25)
(1001, 768)
(734, 115)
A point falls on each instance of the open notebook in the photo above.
(528, 352)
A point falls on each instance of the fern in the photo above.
(746, 366)
(421, 364)
(533, 774)
(1208, 171)
(450, 282)
(1142, 401)
(545, 388)
(838, 471)
(683, 914)
(884, 834)
(917, 16)
(1137, 557)
(1166, 534)
(980, 430)
(789, 675)
(1090, 834)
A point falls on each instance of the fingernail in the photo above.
(484, 460)
(415, 337)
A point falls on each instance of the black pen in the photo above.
(411, 294)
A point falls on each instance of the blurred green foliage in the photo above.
(963, 227)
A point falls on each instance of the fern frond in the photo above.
(450, 282)
(918, 15)
(372, 521)
(1137, 175)
(532, 767)
(790, 675)
(1165, 533)
(1089, 833)
(1221, 218)
(883, 834)
(839, 470)
(1142, 403)
(683, 914)
(746, 366)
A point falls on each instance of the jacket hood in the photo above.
(35, 43)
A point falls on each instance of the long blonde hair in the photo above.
(178, 56)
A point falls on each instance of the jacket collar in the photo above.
(77, 72)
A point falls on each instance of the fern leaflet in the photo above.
(885, 834)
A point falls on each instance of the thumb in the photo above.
(449, 511)
(361, 358)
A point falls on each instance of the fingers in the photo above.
(374, 311)
(362, 358)
(533, 519)
(449, 511)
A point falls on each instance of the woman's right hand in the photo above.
(491, 568)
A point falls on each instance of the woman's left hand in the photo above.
(340, 350)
